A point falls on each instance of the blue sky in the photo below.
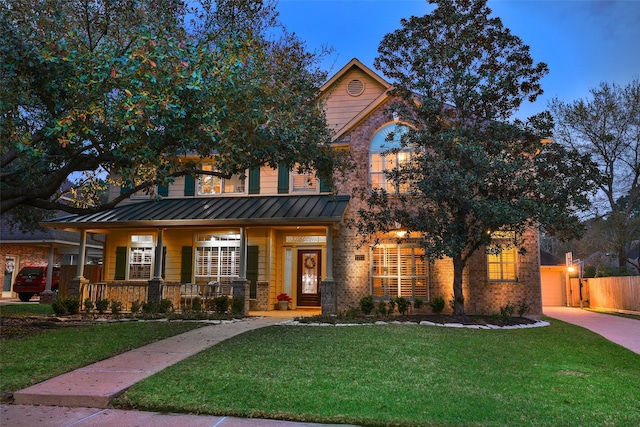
(584, 42)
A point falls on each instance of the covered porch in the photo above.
(185, 250)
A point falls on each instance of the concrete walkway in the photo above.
(620, 330)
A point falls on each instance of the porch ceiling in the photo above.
(228, 211)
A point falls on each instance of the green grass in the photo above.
(25, 310)
(394, 375)
(34, 359)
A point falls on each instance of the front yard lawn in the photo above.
(401, 375)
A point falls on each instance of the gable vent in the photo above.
(355, 88)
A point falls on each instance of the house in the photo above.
(49, 246)
(284, 233)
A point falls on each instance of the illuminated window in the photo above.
(502, 267)
(399, 271)
(217, 258)
(381, 161)
(210, 184)
(141, 252)
(304, 181)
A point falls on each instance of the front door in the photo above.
(309, 271)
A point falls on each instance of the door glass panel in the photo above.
(310, 273)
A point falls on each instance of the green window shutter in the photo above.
(254, 181)
(252, 270)
(283, 179)
(324, 186)
(187, 264)
(163, 190)
(121, 263)
(164, 260)
(189, 186)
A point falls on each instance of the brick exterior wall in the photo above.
(29, 255)
(352, 260)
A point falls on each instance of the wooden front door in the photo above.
(309, 272)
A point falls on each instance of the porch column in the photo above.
(329, 266)
(82, 250)
(75, 284)
(328, 288)
(48, 295)
(242, 274)
(155, 285)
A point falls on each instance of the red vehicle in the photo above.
(32, 280)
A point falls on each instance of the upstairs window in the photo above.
(382, 161)
(304, 182)
(210, 185)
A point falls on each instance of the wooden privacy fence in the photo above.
(608, 293)
(92, 272)
(618, 293)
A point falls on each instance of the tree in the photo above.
(459, 73)
(607, 127)
(131, 89)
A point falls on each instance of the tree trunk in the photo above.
(458, 298)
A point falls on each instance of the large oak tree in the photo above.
(471, 173)
(133, 89)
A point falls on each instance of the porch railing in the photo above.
(183, 296)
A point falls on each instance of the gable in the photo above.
(350, 95)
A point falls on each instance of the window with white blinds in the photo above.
(217, 258)
(399, 271)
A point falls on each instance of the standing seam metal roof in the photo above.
(255, 209)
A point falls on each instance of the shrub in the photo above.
(135, 307)
(221, 304)
(506, 311)
(165, 306)
(403, 304)
(366, 304)
(149, 307)
(101, 305)
(392, 306)
(417, 303)
(64, 306)
(59, 307)
(88, 305)
(382, 308)
(237, 305)
(116, 307)
(437, 304)
(523, 307)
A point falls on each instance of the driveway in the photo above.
(620, 330)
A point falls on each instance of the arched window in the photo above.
(380, 160)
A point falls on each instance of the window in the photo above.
(210, 184)
(141, 252)
(380, 161)
(304, 181)
(399, 271)
(502, 267)
(217, 258)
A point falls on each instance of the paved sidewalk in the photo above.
(620, 330)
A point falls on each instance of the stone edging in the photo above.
(539, 323)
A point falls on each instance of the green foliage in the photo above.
(437, 304)
(471, 170)
(88, 305)
(116, 307)
(506, 311)
(366, 304)
(102, 305)
(131, 87)
(196, 304)
(66, 306)
(165, 306)
(221, 304)
(135, 307)
(403, 305)
(382, 308)
(523, 307)
(237, 305)
(417, 302)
